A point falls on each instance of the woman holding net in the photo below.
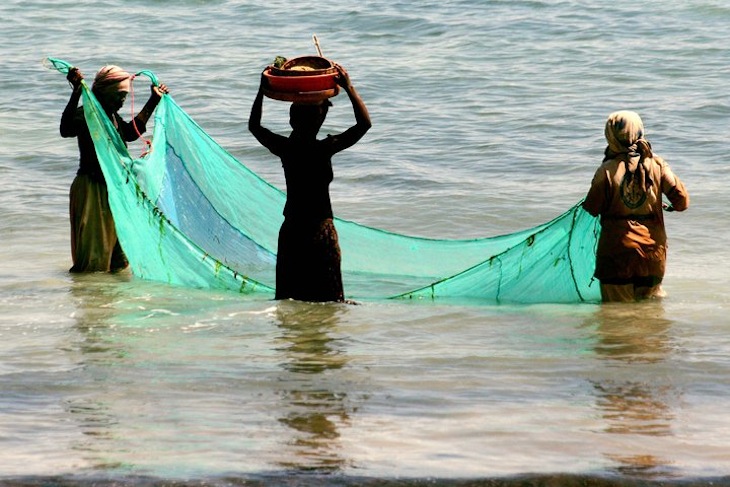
(94, 244)
(626, 192)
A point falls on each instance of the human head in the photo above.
(111, 86)
(623, 130)
(308, 117)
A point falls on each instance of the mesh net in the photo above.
(188, 213)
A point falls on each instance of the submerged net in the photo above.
(188, 213)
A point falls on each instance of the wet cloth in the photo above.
(626, 192)
(308, 261)
(94, 243)
(214, 224)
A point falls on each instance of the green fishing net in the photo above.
(188, 213)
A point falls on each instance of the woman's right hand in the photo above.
(74, 77)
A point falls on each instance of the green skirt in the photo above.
(94, 243)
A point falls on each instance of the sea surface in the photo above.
(488, 118)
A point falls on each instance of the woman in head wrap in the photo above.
(627, 193)
(94, 244)
(308, 256)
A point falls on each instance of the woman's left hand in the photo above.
(343, 78)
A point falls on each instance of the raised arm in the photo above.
(68, 118)
(157, 91)
(132, 131)
(362, 116)
(266, 137)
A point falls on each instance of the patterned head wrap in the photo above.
(111, 79)
(625, 137)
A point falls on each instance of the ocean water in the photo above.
(487, 118)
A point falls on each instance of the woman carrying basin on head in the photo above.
(308, 256)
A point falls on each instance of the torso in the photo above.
(308, 173)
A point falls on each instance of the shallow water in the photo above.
(488, 119)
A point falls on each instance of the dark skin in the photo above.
(112, 103)
(90, 256)
(307, 127)
(308, 171)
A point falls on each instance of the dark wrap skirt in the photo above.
(308, 262)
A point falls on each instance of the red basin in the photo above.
(306, 79)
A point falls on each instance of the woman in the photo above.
(308, 256)
(94, 244)
(627, 193)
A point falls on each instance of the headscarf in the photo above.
(625, 136)
(111, 79)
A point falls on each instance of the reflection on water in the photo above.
(635, 408)
(314, 399)
(123, 382)
(146, 384)
(633, 333)
(631, 340)
(94, 296)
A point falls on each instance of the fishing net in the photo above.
(188, 213)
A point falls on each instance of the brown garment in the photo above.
(626, 192)
(633, 241)
(308, 262)
(94, 243)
